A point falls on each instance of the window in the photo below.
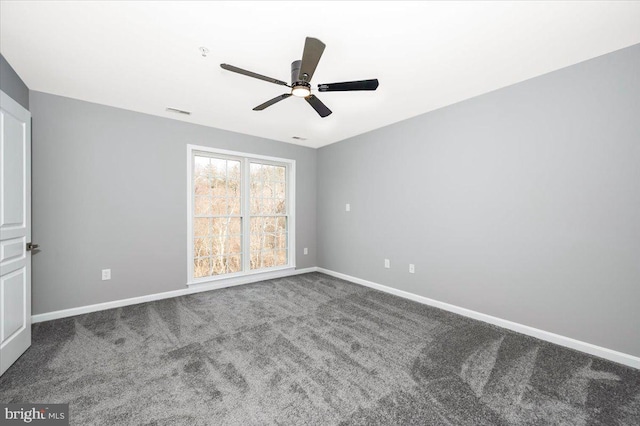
(240, 214)
(268, 239)
(217, 216)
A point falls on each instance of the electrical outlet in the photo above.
(412, 268)
(387, 263)
(106, 274)
(347, 207)
(306, 250)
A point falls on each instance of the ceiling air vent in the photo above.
(178, 111)
(299, 138)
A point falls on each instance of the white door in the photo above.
(15, 230)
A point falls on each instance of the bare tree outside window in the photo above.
(217, 220)
(219, 192)
(268, 197)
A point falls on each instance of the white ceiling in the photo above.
(144, 56)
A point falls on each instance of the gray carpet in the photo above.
(310, 350)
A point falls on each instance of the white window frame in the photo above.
(245, 159)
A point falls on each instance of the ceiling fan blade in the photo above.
(271, 102)
(348, 86)
(252, 74)
(318, 106)
(311, 55)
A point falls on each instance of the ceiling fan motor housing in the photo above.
(299, 87)
(295, 72)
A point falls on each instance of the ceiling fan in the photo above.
(301, 73)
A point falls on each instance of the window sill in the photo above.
(243, 278)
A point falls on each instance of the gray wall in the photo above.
(12, 84)
(110, 191)
(523, 203)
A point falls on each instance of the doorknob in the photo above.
(31, 246)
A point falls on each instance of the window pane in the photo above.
(227, 226)
(218, 167)
(234, 244)
(201, 185)
(201, 267)
(280, 173)
(233, 206)
(256, 188)
(219, 243)
(268, 242)
(255, 226)
(255, 205)
(281, 258)
(268, 189)
(233, 188)
(218, 265)
(201, 227)
(268, 259)
(266, 206)
(279, 190)
(234, 263)
(202, 247)
(218, 206)
(235, 226)
(202, 206)
(218, 186)
(269, 224)
(233, 170)
(256, 246)
(201, 164)
(255, 260)
(281, 240)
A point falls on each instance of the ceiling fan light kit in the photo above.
(301, 74)
(301, 91)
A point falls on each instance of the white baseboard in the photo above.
(611, 355)
(619, 357)
(169, 294)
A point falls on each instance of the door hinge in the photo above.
(31, 246)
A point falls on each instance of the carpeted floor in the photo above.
(310, 350)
